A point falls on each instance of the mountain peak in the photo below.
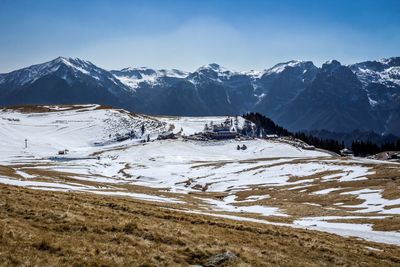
(211, 71)
(133, 69)
(392, 61)
(213, 89)
(66, 68)
(332, 62)
(71, 61)
(213, 67)
(278, 68)
(331, 66)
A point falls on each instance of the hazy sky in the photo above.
(186, 34)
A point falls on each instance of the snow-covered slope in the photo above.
(385, 71)
(278, 68)
(76, 128)
(65, 68)
(82, 128)
(135, 77)
(212, 72)
(273, 178)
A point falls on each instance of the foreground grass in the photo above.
(40, 228)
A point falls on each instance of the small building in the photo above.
(63, 152)
(346, 152)
(228, 129)
(221, 128)
(219, 135)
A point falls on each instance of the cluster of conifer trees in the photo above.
(269, 127)
(328, 144)
(265, 123)
(359, 148)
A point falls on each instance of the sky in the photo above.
(186, 34)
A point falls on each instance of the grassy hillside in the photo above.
(40, 228)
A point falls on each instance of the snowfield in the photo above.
(272, 181)
(77, 130)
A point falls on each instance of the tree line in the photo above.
(265, 123)
(359, 148)
(365, 148)
(327, 144)
(270, 127)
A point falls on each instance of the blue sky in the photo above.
(186, 34)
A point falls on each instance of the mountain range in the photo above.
(296, 94)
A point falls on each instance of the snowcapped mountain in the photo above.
(384, 71)
(279, 85)
(211, 72)
(67, 69)
(296, 94)
(381, 81)
(62, 80)
(134, 77)
(278, 68)
(334, 100)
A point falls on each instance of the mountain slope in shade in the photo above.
(381, 81)
(62, 80)
(282, 83)
(296, 94)
(334, 101)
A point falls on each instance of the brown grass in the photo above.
(39, 228)
(296, 203)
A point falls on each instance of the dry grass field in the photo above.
(42, 228)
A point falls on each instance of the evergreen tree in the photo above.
(142, 129)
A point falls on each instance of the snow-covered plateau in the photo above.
(93, 149)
